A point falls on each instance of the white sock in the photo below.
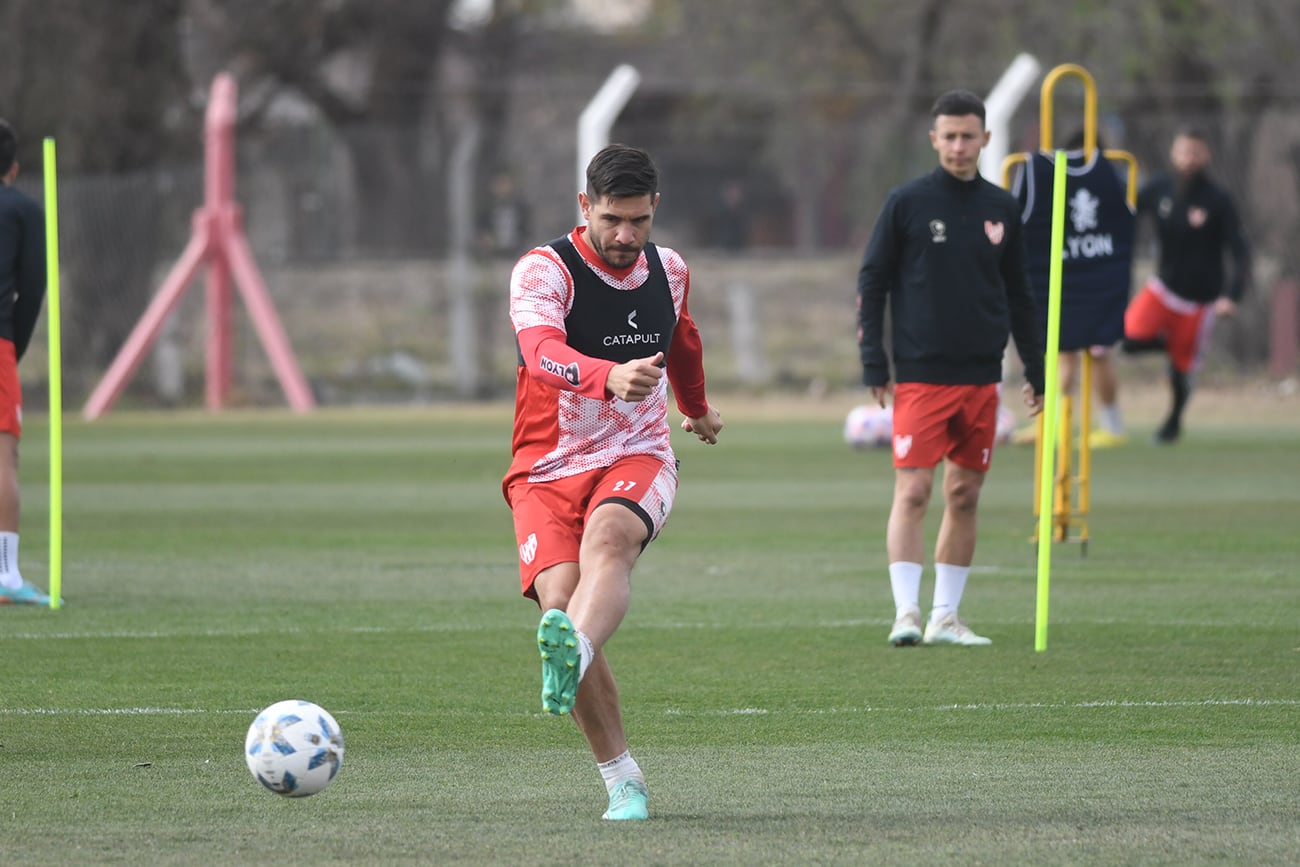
(949, 582)
(618, 769)
(1111, 420)
(10, 577)
(585, 654)
(905, 581)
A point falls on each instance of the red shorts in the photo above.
(11, 393)
(550, 516)
(1185, 325)
(933, 422)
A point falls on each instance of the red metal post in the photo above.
(1284, 329)
(262, 312)
(218, 194)
(217, 242)
(146, 330)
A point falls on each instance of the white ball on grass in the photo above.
(294, 748)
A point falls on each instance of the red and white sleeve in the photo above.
(541, 293)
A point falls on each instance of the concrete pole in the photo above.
(999, 107)
(461, 277)
(598, 117)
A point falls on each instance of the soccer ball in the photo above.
(294, 748)
(869, 426)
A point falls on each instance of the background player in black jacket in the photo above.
(1196, 223)
(22, 287)
(947, 253)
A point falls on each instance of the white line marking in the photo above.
(1099, 704)
(1082, 705)
(848, 623)
(154, 634)
(121, 711)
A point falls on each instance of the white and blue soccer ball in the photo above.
(869, 426)
(294, 748)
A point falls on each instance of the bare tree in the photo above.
(370, 67)
(134, 124)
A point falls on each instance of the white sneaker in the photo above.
(907, 629)
(950, 630)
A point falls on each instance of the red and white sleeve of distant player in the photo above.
(541, 295)
(685, 362)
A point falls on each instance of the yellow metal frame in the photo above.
(1072, 497)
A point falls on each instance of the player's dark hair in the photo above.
(619, 171)
(1074, 142)
(958, 103)
(8, 147)
(1194, 132)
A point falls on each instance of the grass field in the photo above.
(365, 561)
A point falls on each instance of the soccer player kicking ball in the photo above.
(947, 253)
(602, 327)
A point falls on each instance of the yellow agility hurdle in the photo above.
(1072, 494)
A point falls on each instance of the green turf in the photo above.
(365, 561)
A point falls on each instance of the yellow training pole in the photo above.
(1052, 390)
(56, 375)
(1085, 447)
(1064, 482)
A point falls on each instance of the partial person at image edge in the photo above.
(22, 289)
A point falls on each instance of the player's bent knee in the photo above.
(615, 524)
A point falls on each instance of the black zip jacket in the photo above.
(1196, 223)
(949, 256)
(22, 266)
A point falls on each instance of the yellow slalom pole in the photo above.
(1046, 478)
(56, 375)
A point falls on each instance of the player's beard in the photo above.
(613, 254)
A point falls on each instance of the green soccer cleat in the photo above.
(629, 800)
(24, 594)
(557, 641)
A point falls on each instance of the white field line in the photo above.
(124, 711)
(153, 634)
(1100, 704)
(847, 623)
